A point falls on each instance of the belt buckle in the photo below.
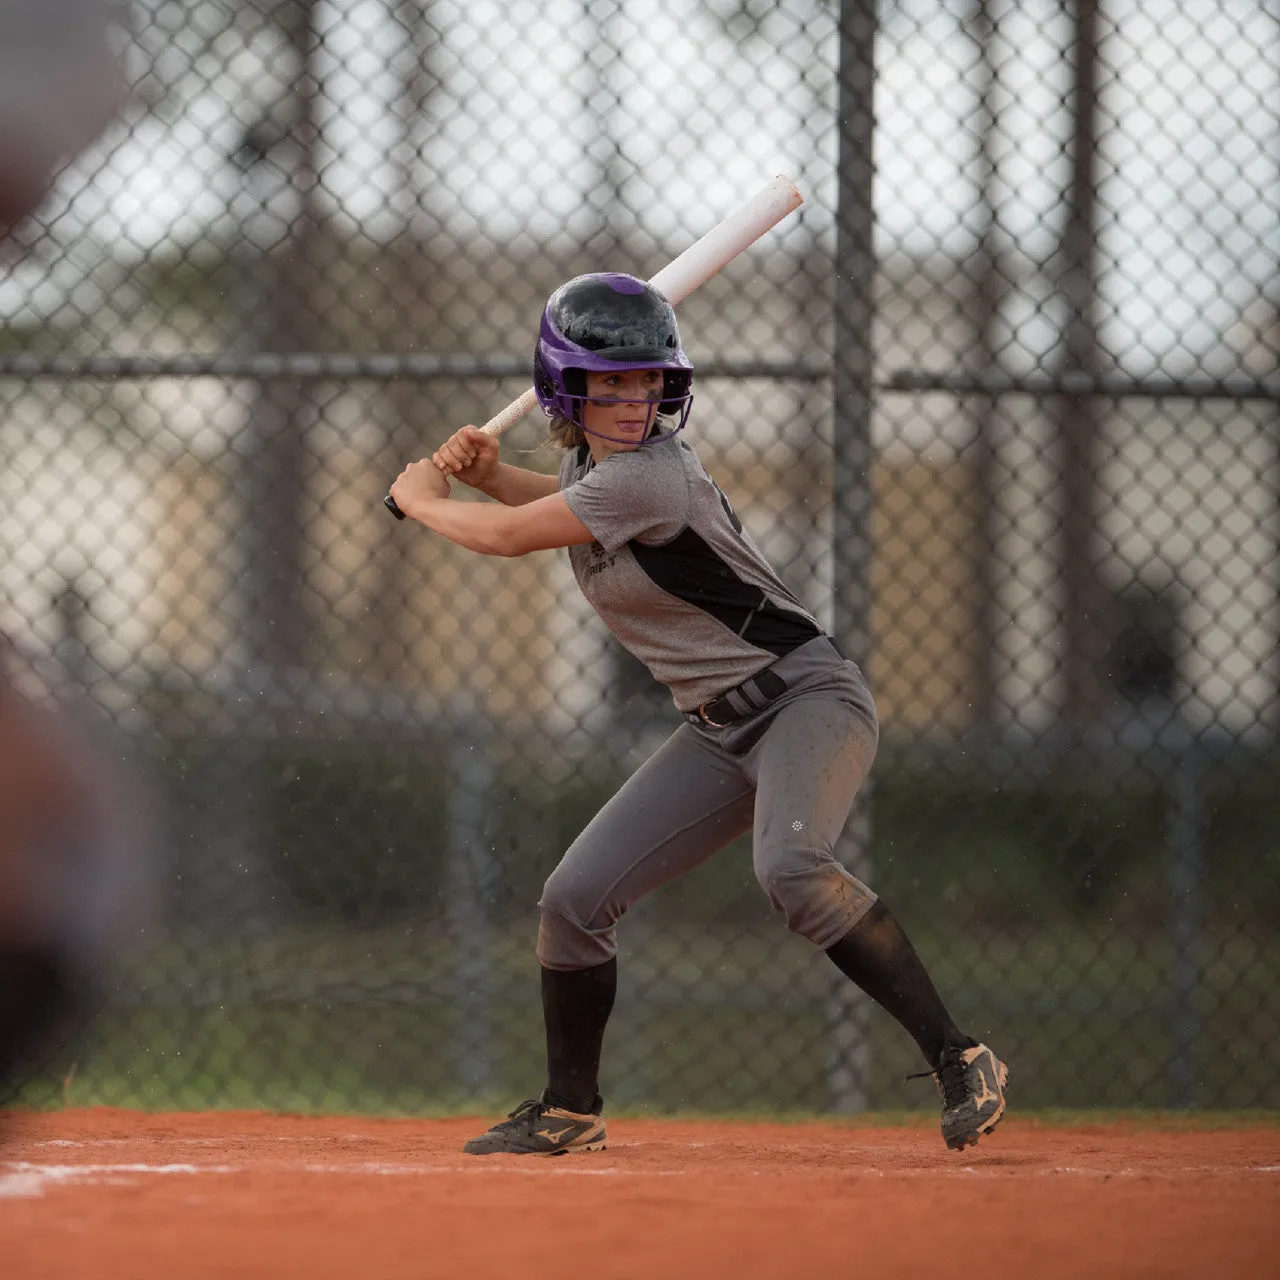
(707, 720)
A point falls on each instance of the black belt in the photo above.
(745, 699)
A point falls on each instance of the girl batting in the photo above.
(779, 727)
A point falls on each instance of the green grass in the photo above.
(710, 1020)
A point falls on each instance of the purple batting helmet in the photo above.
(603, 323)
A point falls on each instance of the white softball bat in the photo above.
(698, 263)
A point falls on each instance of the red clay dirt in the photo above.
(110, 1195)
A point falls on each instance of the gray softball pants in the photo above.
(788, 774)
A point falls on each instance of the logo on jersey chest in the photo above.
(598, 560)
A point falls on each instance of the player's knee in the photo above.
(567, 893)
(574, 932)
(565, 943)
(814, 894)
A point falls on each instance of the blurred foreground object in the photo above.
(60, 83)
(74, 883)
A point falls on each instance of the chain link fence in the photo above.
(1000, 402)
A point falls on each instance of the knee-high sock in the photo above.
(879, 957)
(576, 1004)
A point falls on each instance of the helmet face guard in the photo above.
(608, 323)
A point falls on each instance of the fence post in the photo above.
(846, 1006)
(469, 887)
(1186, 909)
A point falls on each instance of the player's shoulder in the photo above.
(689, 458)
(667, 464)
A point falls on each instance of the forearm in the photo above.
(477, 526)
(514, 486)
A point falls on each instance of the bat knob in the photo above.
(390, 503)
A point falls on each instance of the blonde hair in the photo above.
(565, 434)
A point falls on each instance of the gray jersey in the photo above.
(674, 575)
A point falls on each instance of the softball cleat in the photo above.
(536, 1128)
(971, 1082)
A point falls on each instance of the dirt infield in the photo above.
(115, 1194)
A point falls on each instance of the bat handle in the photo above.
(390, 503)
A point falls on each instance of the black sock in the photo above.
(879, 957)
(576, 1004)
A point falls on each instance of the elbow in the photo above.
(506, 541)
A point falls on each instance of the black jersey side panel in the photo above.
(687, 568)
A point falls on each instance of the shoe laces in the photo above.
(530, 1109)
(950, 1076)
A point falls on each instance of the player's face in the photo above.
(620, 408)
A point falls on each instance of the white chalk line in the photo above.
(23, 1179)
(28, 1180)
(186, 1142)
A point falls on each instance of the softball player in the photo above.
(779, 727)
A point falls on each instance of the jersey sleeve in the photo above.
(642, 495)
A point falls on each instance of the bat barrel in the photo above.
(728, 238)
